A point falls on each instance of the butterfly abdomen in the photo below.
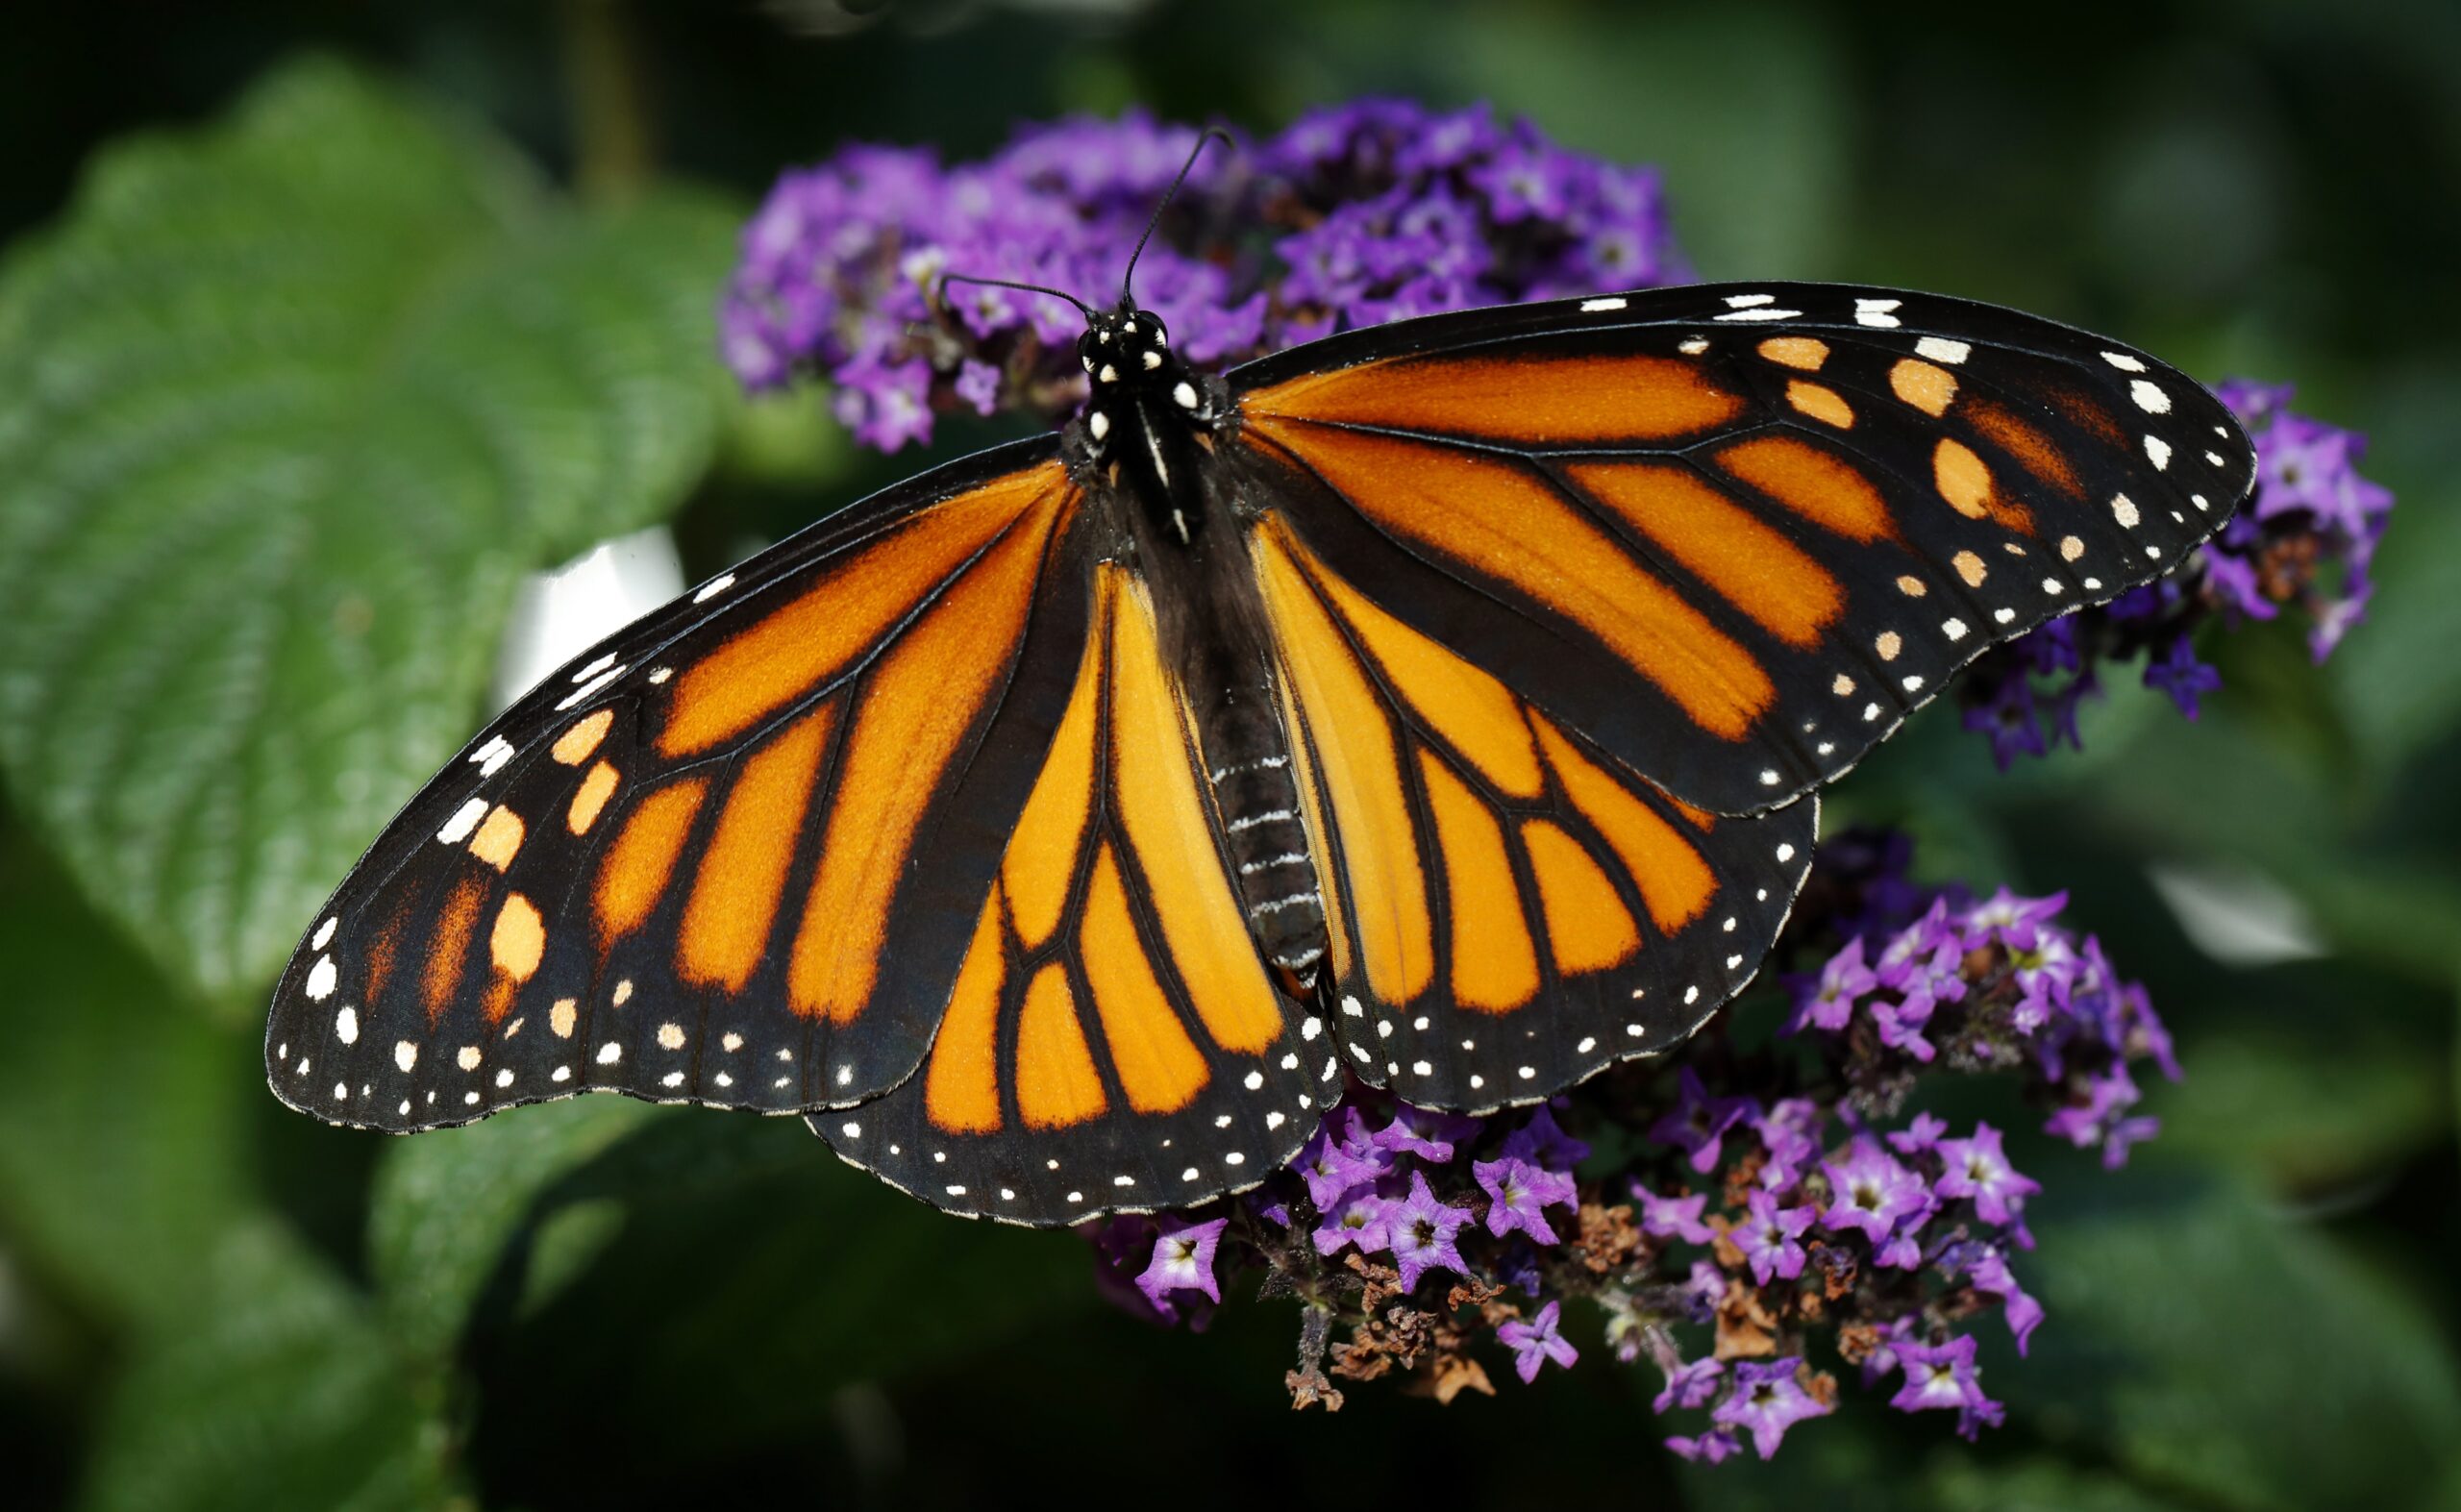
(1256, 794)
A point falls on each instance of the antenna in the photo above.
(1208, 135)
(1084, 308)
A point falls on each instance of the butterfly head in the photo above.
(1128, 349)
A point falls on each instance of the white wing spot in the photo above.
(1954, 629)
(1940, 349)
(610, 1053)
(321, 978)
(346, 1025)
(713, 587)
(1761, 313)
(467, 1058)
(2148, 396)
(325, 930)
(464, 820)
(1693, 347)
(673, 1079)
(405, 1055)
(1746, 301)
(503, 1077)
(2158, 451)
(1599, 306)
(593, 669)
(2123, 362)
(585, 692)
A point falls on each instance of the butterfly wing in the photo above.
(1577, 602)
(1736, 533)
(1113, 1041)
(733, 854)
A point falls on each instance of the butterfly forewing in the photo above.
(712, 860)
(1736, 535)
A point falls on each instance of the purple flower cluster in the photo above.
(2307, 539)
(1770, 1205)
(1355, 216)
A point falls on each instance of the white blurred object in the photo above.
(559, 613)
(2238, 915)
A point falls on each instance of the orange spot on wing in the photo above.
(2088, 411)
(743, 871)
(1965, 480)
(1159, 1067)
(802, 642)
(499, 838)
(1171, 832)
(961, 1089)
(1805, 354)
(381, 955)
(1674, 880)
(590, 798)
(519, 940)
(914, 711)
(637, 865)
(574, 746)
(1821, 401)
(1756, 568)
(1469, 708)
(1927, 387)
(1495, 962)
(1386, 889)
(1512, 398)
(1823, 488)
(449, 948)
(1588, 925)
(1495, 519)
(1056, 1082)
(2034, 452)
(1041, 864)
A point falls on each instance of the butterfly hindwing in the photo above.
(1736, 533)
(1114, 1039)
(1511, 909)
(712, 860)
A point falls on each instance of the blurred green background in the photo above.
(320, 324)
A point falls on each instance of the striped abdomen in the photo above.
(1256, 793)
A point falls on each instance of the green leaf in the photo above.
(123, 1118)
(446, 1203)
(280, 1393)
(2218, 1349)
(294, 401)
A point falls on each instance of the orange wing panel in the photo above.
(1534, 399)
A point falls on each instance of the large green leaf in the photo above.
(280, 1393)
(446, 1204)
(123, 1118)
(2217, 1350)
(291, 403)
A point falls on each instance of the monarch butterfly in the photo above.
(1441, 704)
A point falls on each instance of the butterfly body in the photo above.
(1438, 705)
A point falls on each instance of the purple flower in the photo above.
(1359, 1217)
(1421, 1231)
(1425, 1132)
(1790, 1132)
(2007, 716)
(1712, 1447)
(1520, 1192)
(1768, 1237)
(1919, 1135)
(1699, 1121)
(1828, 1001)
(1338, 1157)
(1672, 1217)
(1944, 1375)
(1183, 1262)
(1541, 1143)
(1766, 1401)
(1978, 1168)
(1870, 1192)
(1991, 1275)
(2179, 674)
(1536, 1342)
(2097, 1118)
(1691, 1385)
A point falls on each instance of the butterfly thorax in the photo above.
(1149, 422)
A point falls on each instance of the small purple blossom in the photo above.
(1424, 1133)
(1768, 1400)
(1942, 1376)
(1990, 1275)
(1979, 1169)
(1710, 1447)
(1672, 1217)
(1870, 1192)
(1421, 1231)
(1691, 1385)
(1358, 1217)
(1540, 1142)
(1519, 1193)
(1337, 1159)
(1536, 1342)
(1183, 1262)
(2178, 673)
(1769, 1237)
(1699, 1121)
